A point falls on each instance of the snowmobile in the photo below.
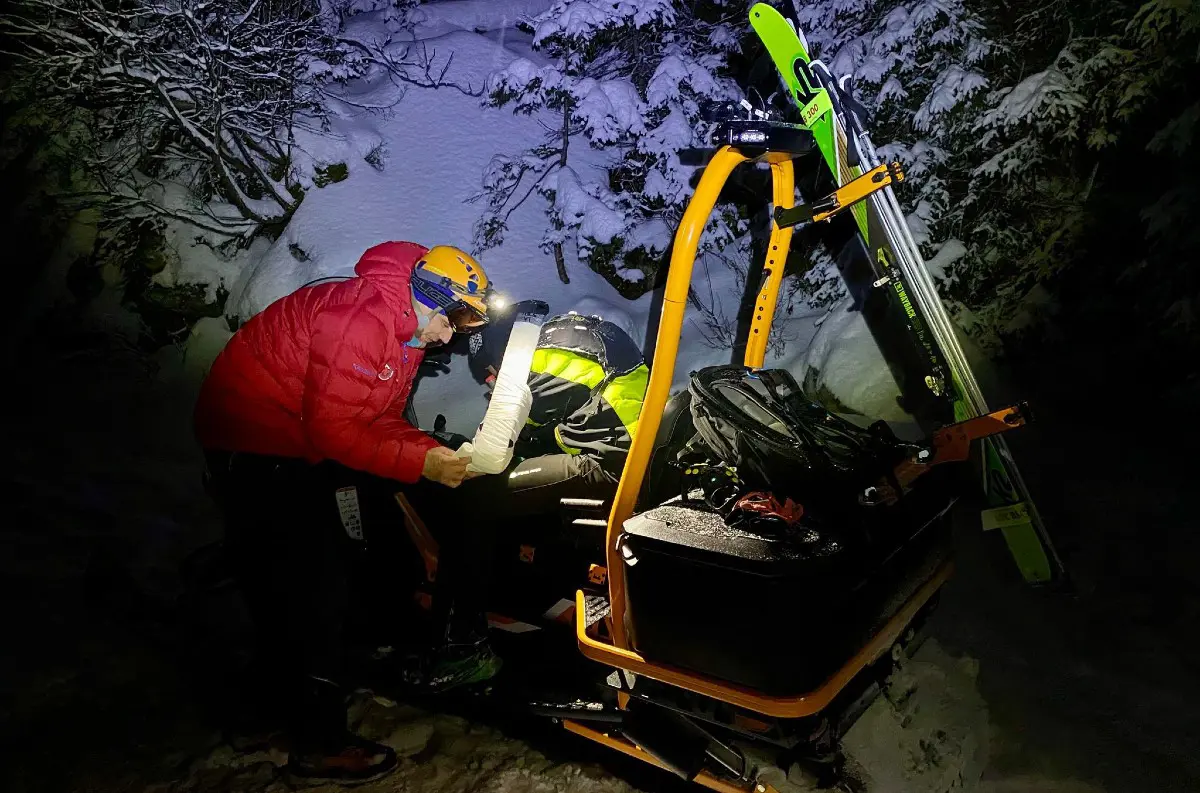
(765, 566)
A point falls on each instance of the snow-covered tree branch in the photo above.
(624, 84)
(1004, 114)
(207, 92)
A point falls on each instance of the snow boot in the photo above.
(322, 749)
(350, 761)
(454, 666)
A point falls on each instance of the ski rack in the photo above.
(829, 111)
(759, 136)
(949, 445)
(842, 198)
(912, 265)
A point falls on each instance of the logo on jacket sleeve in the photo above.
(385, 373)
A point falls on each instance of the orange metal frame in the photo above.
(953, 444)
(419, 533)
(670, 327)
(618, 653)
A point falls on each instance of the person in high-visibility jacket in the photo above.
(588, 381)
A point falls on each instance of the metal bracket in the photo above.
(841, 199)
(949, 444)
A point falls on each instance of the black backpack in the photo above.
(762, 423)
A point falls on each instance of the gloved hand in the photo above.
(436, 362)
(442, 465)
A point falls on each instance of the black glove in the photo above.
(436, 362)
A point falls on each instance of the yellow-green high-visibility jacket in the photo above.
(588, 381)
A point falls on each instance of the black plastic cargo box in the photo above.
(753, 610)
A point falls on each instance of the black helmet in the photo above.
(781, 441)
(486, 348)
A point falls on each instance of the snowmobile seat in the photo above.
(663, 479)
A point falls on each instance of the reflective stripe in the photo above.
(558, 439)
(567, 366)
(510, 625)
(625, 394)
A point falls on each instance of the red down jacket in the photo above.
(324, 373)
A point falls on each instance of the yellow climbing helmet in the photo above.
(451, 280)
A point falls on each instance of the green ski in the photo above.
(936, 379)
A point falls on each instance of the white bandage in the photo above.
(492, 449)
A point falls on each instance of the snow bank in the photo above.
(843, 358)
(193, 255)
(477, 16)
(614, 313)
(929, 734)
(940, 264)
(208, 337)
(196, 261)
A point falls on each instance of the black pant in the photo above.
(294, 562)
(535, 486)
(466, 521)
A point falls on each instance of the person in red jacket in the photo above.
(307, 397)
